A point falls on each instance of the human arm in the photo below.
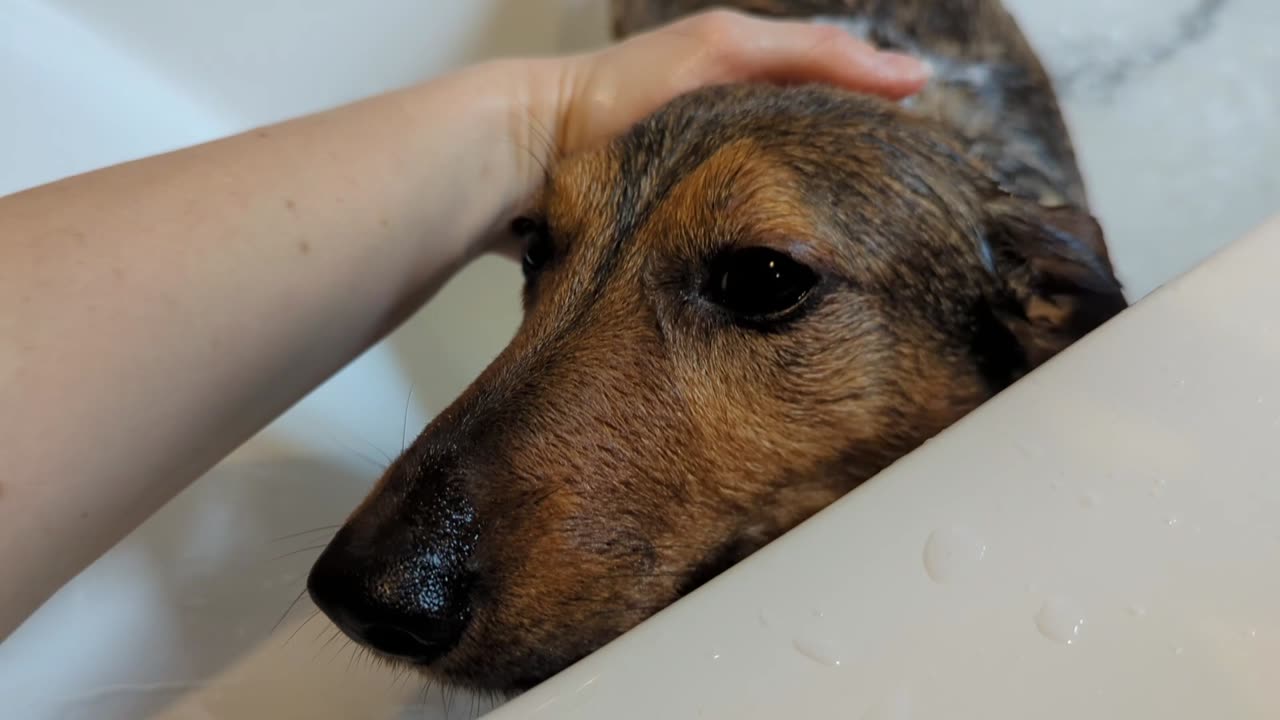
(156, 314)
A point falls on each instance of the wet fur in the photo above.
(634, 440)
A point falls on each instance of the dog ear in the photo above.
(1054, 278)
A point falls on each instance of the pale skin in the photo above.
(156, 314)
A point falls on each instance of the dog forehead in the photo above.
(619, 201)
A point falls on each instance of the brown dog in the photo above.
(746, 306)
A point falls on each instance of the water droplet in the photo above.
(1060, 620)
(1090, 500)
(816, 650)
(1172, 520)
(1178, 651)
(1137, 611)
(764, 621)
(952, 552)
(894, 707)
(586, 685)
(1250, 633)
(818, 614)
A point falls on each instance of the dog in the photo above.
(735, 313)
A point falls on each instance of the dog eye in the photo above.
(537, 244)
(758, 283)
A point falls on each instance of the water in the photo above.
(1090, 500)
(1060, 620)
(817, 650)
(952, 553)
(1137, 611)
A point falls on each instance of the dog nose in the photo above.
(401, 594)
(415, 610)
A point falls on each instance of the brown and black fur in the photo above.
(636, 437)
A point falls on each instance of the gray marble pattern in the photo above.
(1175, 110)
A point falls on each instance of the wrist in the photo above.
(488, 134)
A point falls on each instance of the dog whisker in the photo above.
(427, 685)
(299, 551)
(374, 463)
(404, 425)
(387, 458)
(310, 617)
(371, 461)
(289, 609)
(551, 151)
(332, 637)
(290, 536)
(340, 650)
(546, 171)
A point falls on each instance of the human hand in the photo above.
(590, 98)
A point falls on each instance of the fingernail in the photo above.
(905, 65)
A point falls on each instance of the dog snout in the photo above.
(397, 579)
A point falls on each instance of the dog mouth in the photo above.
(477, 680)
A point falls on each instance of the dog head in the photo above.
(735, 313)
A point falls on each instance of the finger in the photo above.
(788, 51)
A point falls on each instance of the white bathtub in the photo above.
(1158, 534)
